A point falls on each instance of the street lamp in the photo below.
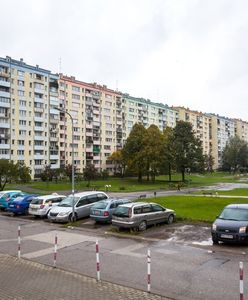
(72, 165)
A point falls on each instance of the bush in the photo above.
(122, 188)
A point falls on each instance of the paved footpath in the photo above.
(21, 279)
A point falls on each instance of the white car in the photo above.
(41, 205)
(82, 204)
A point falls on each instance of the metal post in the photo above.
(148, 271)
(72, 164)
(55, 251)
(97, 262)
(19, 241)
(241, 282)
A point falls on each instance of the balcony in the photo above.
(5, 94)
(4, 146)
(37, 128)
(39, 156)
(5, 156)
(55, 166)
(4, 124)
(54, 157)
(39, 147)
(38, 109)
(38, 119)
(39, 91)
(38, 138)
(38, 100)
(38, 167)
(4, 83)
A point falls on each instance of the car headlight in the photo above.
(242, 229)
(214, 227)
(63, 213)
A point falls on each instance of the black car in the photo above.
(231, 225)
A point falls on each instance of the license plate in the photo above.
(226, 236)
(97, 212)
(11, 205)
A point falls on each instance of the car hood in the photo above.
(60, 209)
(230, 223)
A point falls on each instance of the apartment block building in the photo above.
(97, 123)
(222, 130)
(241, 129)
(201, 124)
(28, 115)
(146, 112)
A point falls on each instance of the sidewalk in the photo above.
(22, 279)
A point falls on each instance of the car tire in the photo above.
(70, 218)
(170, 219)
(215, 241)
(142, 226)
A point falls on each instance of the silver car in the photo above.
(141, 214)
(82, 204)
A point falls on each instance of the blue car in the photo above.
(7, 196)
(102, 211)
(20, 205)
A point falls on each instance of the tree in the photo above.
(118, 161)
(208, 162)
(235, 154)
(8, 172)
(167, 154)
(133, 150)
(187, 149)
(67, 170)
(152, 151)
(90, 173)
(23, 172)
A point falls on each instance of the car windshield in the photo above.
(100, 205)
(122, 211)
(236, 214)
(68, 201)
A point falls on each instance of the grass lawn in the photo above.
(196, 208)
(131, 184)
(234, 192)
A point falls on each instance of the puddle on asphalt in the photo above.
(204, 243)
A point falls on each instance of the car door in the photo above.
(158, 214)
(147, 214)
(83, 207)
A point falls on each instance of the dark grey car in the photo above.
(141, 214)
(231, 225)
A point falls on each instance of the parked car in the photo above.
(82, 204)
(6, 196)
(41, 205)
(140, 214)
(20, 205)
(231, 225)
(102, 211)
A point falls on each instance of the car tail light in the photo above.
(129, 212)
(18, 206)
(42, 206)
(8, 199)
(106, 214)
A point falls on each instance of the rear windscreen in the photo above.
(101, 205)
(122, 211)
(37, 201)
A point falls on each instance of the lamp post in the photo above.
(72, 165)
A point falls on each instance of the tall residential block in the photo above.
(201, 124)
(28, 115)
(97, 123)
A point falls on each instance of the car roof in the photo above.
(242, 205)
(116, 199)
(11, 191)
(131, 204)
(45, 197)
(87, 193)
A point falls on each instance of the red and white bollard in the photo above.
(241, 282)
(97, 262)
(148, 271)
(19, 242)
(55, 251)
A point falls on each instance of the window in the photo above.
(146, 209)
(137, 210)
(20, 93)
(76, 88)
(156, 207)
(101, 196)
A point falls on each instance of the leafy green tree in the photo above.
(208, 162)
(187, 149)
(167, 157)
(67, 170)
(90, 173)
(23, 172)
(235, 154)
(8, 172)
(153, 151)
(134, 150)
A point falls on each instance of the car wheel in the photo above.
(215, 241)
(142, 226)
(71, 218)
(170, 219)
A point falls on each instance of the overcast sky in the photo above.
(192, 53)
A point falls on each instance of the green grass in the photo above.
(131, 184)
(234, 192)
(196, 208)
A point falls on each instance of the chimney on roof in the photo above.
(37, 66)
(104, 86)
